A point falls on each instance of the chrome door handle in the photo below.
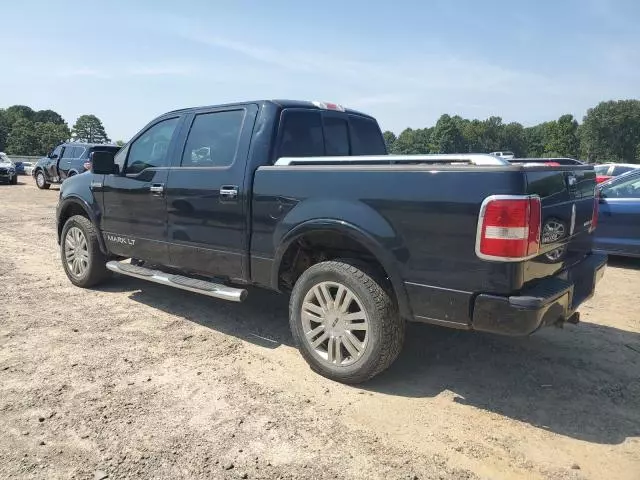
(228, 192)
(157, 188)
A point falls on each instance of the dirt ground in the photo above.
(136, 380)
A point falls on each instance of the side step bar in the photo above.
(203, 287)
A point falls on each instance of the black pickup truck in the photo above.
(301, 197)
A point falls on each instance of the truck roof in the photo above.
(280, 103)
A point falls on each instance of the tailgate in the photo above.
(567, 196)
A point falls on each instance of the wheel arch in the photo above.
(71, 206)
(356, 236)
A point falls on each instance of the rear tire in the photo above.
(82, 260)
(347, 339)
(41, 181)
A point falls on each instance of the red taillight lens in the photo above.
(596, 210)
(509, 228)
(602, 178)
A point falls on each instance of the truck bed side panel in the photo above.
(431, 218)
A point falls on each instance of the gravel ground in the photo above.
(136, 380)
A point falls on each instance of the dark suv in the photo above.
(66, 160)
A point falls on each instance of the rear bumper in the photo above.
(553, 300)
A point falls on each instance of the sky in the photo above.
(405, 61)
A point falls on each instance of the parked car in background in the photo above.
(618, 231)
(66, 160)
(551, 161)
(506, 155)
(607, 171)
(25, 168)
(7, 170)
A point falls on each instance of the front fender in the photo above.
(358, 221)
(73, 201)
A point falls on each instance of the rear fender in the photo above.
(357, 221)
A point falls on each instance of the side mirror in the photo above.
(53, 156)
(102, 163)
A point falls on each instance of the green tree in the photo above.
(17, 112)
(473, 132)
(413, 142)
(447, 135)
(562, 137)
(121, 143)
(514, 139)
(49, 135)
(23, 139)
(535, 140)
(48, 116)
(493, 134)
(611, 131)
(89, 128)
(5, 128)
(389, 139)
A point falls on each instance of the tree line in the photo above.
(609, 132)
(24, 131)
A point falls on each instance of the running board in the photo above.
(203, 287)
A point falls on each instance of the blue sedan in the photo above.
(618, 230)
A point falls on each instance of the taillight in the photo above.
(509, 228)
(596, 210)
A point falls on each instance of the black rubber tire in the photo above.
(45, 185)
(97, 271)
(14, 180)
(386, 327)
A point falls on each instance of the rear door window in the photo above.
(336, 136)
(301, 134)
(366, 138)
(213, 139)
(68, 152)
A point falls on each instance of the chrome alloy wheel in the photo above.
(40, 179)
(552, 232)
(335, 323)
(76, 252)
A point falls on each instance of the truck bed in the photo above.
(423, 211)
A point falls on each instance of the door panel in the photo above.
(52, 164)
(619, 225)
(207, 195)
(64, 164)
(134, 219)
(619, 220)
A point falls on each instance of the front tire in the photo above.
(83, 262)
(41, 181)
(344, 321)
(14, 180)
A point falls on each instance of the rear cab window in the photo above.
(316, 133)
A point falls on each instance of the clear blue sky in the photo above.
(404, 61)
